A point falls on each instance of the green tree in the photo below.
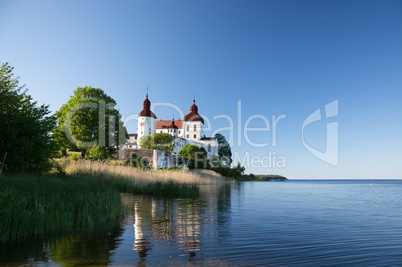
(25, 128)
(194, 156)
(98, 153)
(88, 119)
(160, 141)
(236, 172)
(224, 150)
(240, 169)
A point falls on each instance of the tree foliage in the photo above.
(194, 156)
(224, 150)
(235, 172)
(97, 153)
(25, 128)
(88, 119)
(159, 141)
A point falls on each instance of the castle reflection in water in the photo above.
(180, 224)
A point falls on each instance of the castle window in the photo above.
(195, 128)
(195, 136)
(187, 136)
(188, 128)
(209, 148)
(179, 131)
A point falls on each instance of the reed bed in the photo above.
(87, 198)
(143, 177)
(32, 206)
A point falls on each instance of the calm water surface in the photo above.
(293, 223)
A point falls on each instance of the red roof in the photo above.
(193, 115)
(146, 112)
(166, 124)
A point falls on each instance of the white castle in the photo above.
(186, 131)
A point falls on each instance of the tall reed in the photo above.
(133, 180)
(87, 198)
(37, 205)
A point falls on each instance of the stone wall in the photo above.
(156, 158)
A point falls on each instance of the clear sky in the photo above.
(270, 58)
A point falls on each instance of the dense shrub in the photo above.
(63, 152)
(235, 172)
(98, 153)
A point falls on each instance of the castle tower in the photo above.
(173, 129)
(146, 120)
(192, 124)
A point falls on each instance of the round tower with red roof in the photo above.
(146, 120)
(192, 124)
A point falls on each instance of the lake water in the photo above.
(293, 223)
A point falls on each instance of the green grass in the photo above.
(168, 188)
(81, 196)
(32, 206)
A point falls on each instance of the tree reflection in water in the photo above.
(90, 248)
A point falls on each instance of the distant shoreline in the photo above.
(262, 178)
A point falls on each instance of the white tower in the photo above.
(192, 124)
(146, 120)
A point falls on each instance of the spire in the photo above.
(194, 107)
(146, 111)
(173, 126)
(193, 115)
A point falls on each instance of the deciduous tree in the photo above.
(25, 128)
(224, 150)
(194, 156)
(160, 141)
(89, 119)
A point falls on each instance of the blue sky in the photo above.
(271, 57)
